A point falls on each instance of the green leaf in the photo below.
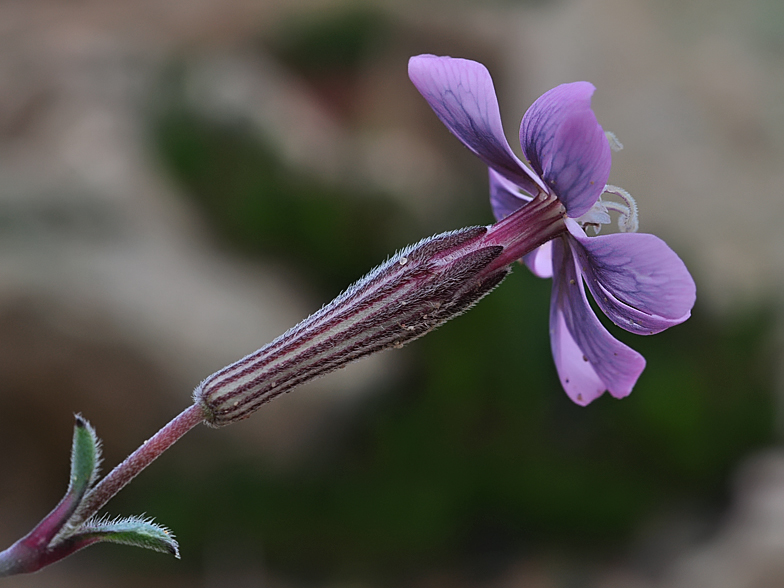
(135, 531)
(85, 457)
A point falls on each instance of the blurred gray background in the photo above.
(181, 182)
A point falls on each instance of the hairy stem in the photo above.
(126, 471)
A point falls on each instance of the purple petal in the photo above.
(540, 260)
(505, 197)
(461, 93)
(636, 279)
(566, 146)
(589, 360)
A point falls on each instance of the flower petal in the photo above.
(566, 146)
(636, 279)
(588, 358)
(461, 93)
(505, 197)
(540, 260)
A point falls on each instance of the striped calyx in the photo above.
(409, 295)
(412, 293)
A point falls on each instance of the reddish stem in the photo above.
(122, 474)
(33, 552)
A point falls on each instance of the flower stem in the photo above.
(126, 471)
(527, 228)
(41, 546)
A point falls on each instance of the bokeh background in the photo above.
(182, 181)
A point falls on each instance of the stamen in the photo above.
(595, 217)
(628, 219)
(615, 144)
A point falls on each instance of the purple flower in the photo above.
(636, 279)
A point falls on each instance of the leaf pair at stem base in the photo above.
(66, 529)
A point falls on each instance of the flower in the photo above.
(635, 279)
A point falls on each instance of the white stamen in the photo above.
(628, 219)
(615, 144)
(596, 216)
